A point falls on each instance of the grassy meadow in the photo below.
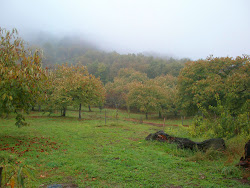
(89, 153)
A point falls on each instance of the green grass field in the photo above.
(88, 153)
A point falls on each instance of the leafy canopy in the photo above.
(200, 81)
(21, 75)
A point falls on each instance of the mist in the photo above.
(183, 29)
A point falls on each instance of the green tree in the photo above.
(102, 72)
(117, 92)
(226, 123)
(73, 85)
(63, 83)
(88, 90)
(21, 75)
(169, 100)
(201, 80)
(145, 97)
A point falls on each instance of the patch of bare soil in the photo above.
(154, 124)
(53, 117)
(134, 139)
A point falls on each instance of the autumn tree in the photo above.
(169, 101)
(219, 88)
(145, 97)
(200, 81)
(73, 85)
(62, 83)
(117, 91)
(21, 75)
(88, 90)
(130, 83)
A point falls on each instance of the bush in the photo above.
(220, 121)
(229, 123)
(15, 173)
(210, 155)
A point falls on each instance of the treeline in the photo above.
(107, 65)
(216, 90)
(25, 84)
(124, 76)
(134, 90)
(103, 64)
(69, 85)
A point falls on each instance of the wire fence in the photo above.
(107, 116)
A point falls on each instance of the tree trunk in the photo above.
(90, 109)
(32, 108)
(80, 108)
(146, 115)
(160, 114)
(175, 113)
(215, 143)
(39, 108)
(1, 169)
(64, 112)
(128, 110)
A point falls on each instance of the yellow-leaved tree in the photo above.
(73, 85)
(21, 76)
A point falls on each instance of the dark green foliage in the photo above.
(201, 80)
(20, 121)
(222, 122)
(228, 123)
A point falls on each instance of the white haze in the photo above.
(181, 28)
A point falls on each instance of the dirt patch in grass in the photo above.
(154, 124)
(38, 117)
(134, 139)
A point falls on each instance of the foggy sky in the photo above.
(181, 28)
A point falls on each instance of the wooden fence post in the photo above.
(1, 169)
(105, 117)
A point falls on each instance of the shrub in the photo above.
(220, 121)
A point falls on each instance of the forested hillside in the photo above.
(106, 65)
(68, 74)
